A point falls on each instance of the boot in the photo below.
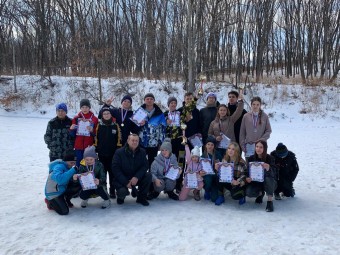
(207, 195)
(172, 195)
(277, 196)
(219, 200)
(106, 204)
(259, 199)
(142, 201)
(270, 206)
(134, 191)
(197, 196)
(83, 203)
(49, 207)
(242, 201)
(69, 203)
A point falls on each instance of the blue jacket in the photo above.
(58, 178)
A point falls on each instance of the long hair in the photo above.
(257, 99)
(218, 108)
(265, 148)
(237, 153)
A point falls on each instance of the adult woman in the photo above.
(238, 184)
(269, 184)
(255, 126)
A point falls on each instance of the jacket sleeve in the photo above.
(272, 169)
(243, 134)
(295, 169)
(267, 132)
(211, 129)
(237, 114)
(143, 166)
(187, 154)
(61, 177)
(117, 169)
(48, 135)
(154, 171)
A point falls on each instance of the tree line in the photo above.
(178, 38)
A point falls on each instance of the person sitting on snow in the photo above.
(287, 168)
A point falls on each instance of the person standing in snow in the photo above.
(57, 135)
(208, 114)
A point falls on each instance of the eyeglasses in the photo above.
(107, 113)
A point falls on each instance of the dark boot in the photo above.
(172, 195)
(259, 199)
(152, 195)
(142, 201)
(270, 206)
(134, 191)
(197, 195)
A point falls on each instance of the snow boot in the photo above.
(270, 206)
(219, 200)
(83, 203)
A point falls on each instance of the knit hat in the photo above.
(85, 102)
(172, 99)
(211, 139)
(195, 151)
(61, 106)
(281, 150)
(104, 109)
(149, 95)
(70, 155)
(90, 152)
(166, 145)
(211, 94)
(126, 97)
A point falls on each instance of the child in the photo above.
(210, 180)
(159, 168)
(193, 165)
(83, 129)
(91, 164)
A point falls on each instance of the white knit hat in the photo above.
(195, 151)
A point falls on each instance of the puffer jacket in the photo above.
(158, 166)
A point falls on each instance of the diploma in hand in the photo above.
(83, 127)
(139, 115)
(172, 173)
(226, 172)
(191, 180)
(256, 171)
(224, 143)
(87, 180)
(206, 166)
(196, 140)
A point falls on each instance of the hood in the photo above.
(55, 162)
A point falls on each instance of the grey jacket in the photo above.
(158, 166)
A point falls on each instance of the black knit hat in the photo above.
(128, 97)
(172, 99)
(211, 139)
(281, 150)
(149, 95)
(85, 102)
(70, 155)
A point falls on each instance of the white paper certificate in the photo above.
(82, 127)
(139, 115)
(224, 143)
(191, 180)
(87, 181)
(172, 173)
(175, 118)
(226, 172)
(250, 149)
(196, 140)
(206, 166)
(256, 171)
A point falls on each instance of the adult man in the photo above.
(232, 106)
(208, 114)
(129, 166)
(57, 136)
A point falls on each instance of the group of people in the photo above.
(142, 159)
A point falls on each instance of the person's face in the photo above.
(231, 151)
(61, 114)
(133, 142)
(172, 106)
(195, 159)
(209, 147)
(222, 111)
(107, 115)
(126, 104)
(211, 100)
(89, 161)
(165, 153)
(70, 164)
(188, 99)
(232, 99)
(259, 149)
(85, 109)
(149, 101)
(255, 106)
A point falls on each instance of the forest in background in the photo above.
(172, 39)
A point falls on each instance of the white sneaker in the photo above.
(83, 203)
(106, 204)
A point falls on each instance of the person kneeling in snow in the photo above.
(287, 168)
(90, 163)
(59, 189)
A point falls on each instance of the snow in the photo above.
(306, 224)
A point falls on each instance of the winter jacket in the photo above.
(226, 124)
(192, 167)
(287, 167)
(193, 125)
(172, 132)
(247, 132)
(152, 133)
(207, 115)
(158, 170)
(108, 138)
(237, 126)
(270, 161)
(99, 171)
(82, 142)
(57, 137)
(127, 164)
(58, 179)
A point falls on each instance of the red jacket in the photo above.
(81, 141)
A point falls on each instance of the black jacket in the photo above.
(287, 167)
(269, 160)
(193, 125)
(108, 138)
(127, 164)
(207, 115)
(237, 125)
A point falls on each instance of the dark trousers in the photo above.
(254, 188)
(211, 185)
(80, 155)
(152, 153)
(143, 185)
(176, 146)
(59, 205)
(107, 162)
(99, 191)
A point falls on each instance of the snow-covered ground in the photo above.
(306, 224)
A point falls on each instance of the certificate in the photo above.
(83, 127)
(87, 180)
(250, 149)
(256, 171)
(196, 140)
(191, 180)
(173, 173)
(226, 172)
(139, 115)
(175, 119)
(224, 143)
(206, 166)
